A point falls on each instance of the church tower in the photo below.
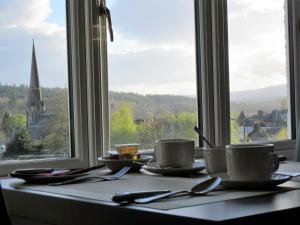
(35, 104)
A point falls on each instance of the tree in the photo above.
(12, 122)
(20, 144)
(234, 126)
(122, 126)
(284, 103)
(56, 131)
(170, 125)
(184, 125)
(2, 137)
(151, 130)
(282, 134)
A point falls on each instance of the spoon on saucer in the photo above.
(198, 190)
(203, 137)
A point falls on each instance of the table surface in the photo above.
(48, 208)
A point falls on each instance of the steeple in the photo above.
(35, 104)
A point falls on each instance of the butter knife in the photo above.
(130, 196)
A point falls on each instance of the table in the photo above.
(28, 206)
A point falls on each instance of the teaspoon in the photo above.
(199, 189)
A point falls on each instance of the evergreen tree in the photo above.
(20, 144)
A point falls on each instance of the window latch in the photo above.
(105, 11)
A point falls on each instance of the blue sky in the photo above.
(154, 48)
(58, 14)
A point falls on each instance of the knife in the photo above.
(130, 196)
(33, 170)
(84, 170)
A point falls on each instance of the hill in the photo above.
(260, 95)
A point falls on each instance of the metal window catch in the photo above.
(105, 11)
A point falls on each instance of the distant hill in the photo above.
(260, 95)
(144, 106)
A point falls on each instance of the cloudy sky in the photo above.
(43, 21)
(154, 44)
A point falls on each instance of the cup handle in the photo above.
(275, 162)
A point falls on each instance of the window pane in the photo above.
(258, 70)
(34, 118)
(152, 77)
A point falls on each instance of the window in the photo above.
(43, 75)
(230, 44)
(152, 72)
(258, 71)
(155, 81)
(34, 112)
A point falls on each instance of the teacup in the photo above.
(251, 162)
(175, 152)
(215, 159)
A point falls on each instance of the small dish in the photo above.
(255, 185)
(117, 164)
(153, 167)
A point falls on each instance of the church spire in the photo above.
(35, 104)
(34, 78)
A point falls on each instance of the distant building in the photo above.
(37, 119)
(261, 126)
(35, 104)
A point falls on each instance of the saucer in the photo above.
(117, 164)
(275, 180)
(153, 167)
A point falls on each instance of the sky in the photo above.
(43, 21)
(154, 47)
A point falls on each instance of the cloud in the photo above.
(155, 45)
(20, 22)
(155, 20)
(154, 50)
(257, 44)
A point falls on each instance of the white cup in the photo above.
(175, 152)
(251, 162)
(215, 159)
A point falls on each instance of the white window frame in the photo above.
(89, 85)
(214, 72)
(86, 106)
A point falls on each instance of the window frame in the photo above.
(89, 106)
(81, 18)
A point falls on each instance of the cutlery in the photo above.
(203, 137)
(143, 163)
(291, 174)
(130, 196)
(55, 172)
(78, 171)
(198, 190)
(30, 171)
(94, 175)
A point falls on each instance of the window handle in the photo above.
(105, 11)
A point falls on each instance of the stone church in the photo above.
(37, 118)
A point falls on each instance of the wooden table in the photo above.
(37, 208)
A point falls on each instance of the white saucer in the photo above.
(172, 171)
(254, 185)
